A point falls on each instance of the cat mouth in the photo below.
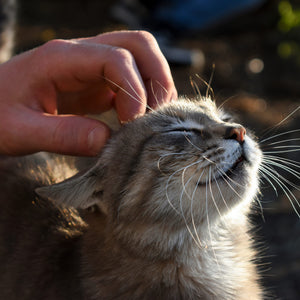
(231, 171)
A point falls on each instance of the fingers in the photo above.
(150, 61)
(130, 62)
(77, 67)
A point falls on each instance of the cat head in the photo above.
(184, 162)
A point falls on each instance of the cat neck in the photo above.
(156, 258)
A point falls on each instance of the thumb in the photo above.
(65, 134)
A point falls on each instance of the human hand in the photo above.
(44, 92)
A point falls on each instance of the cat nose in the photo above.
(237, 133)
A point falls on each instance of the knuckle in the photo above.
(121, 54)
(52, 45)
(50, 55)
(51, 48)
(144, 37)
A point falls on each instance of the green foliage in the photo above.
(289, 22)
(289, 16)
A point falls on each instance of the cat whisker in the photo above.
(282, 166)
(283, 141)
(282, 159)
(281, 177)
(278, 135)
(269, 181)
(221, 194)
(209, 226)
(167, 155)
(286, 147)
(260, 207)
(271, 173)
(192, 201)
(211, 192)
(282, 151)
(181, 208)
(223, 199)
(170, 178)
(187, 138)
(221, 172)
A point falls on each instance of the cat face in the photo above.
(181, 163)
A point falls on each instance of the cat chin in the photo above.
(252, 152)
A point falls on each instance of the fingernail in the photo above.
(97, 139)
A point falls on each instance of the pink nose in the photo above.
(238, 133)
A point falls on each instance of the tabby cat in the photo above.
(161, 214)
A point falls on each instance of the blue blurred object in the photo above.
(199, 14)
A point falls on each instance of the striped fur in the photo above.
(162, 214)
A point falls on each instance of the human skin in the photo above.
(45, 92)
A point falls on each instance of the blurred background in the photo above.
(253, 49)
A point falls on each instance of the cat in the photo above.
(161, 214)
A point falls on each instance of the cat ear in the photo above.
(80, 191)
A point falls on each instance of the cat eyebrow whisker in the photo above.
(288, 116)
(208, 84)
(196, 89)
(163, 90)
(154, 95)
(137, 99)
(282, 121)
(224, 102)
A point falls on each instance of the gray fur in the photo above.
(164, 221)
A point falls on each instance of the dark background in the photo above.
(261, 99)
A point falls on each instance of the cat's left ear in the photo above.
(80, 191)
